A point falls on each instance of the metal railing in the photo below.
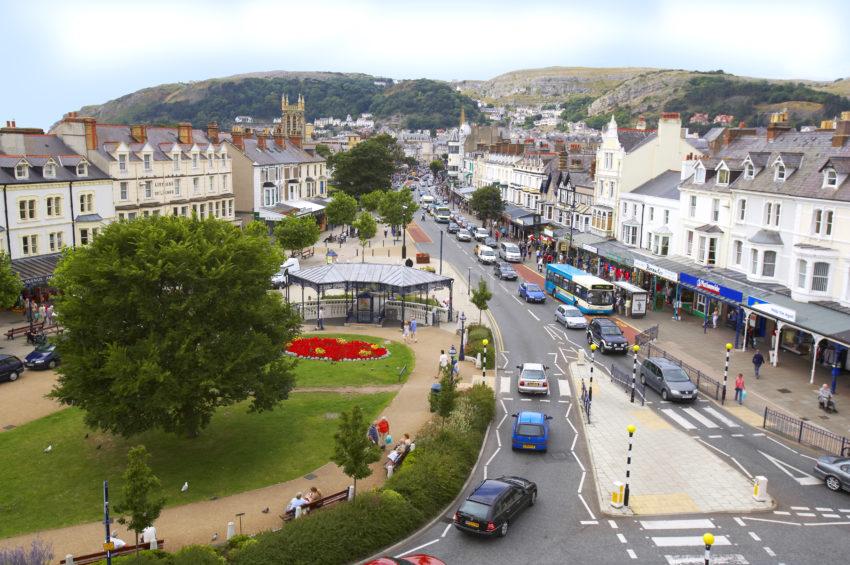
(647, 335)
(706, 384)
(624, 378)
(805, 433)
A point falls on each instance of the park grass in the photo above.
(326, 374)
(237, 452)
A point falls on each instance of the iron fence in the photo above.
(647, 335)
(805, 433)
(706, 384)
(624, 378)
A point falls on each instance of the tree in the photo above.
(342, 209)
(168, 318)
(324, 151)
(436, 166)
(397, 208)
(354, 451)
(365, 167)
(487, 203)
(480, 297)
(297, 232)
(372, 200)
(140, 507)
(10, 283)
(366, 230)
(445, 401)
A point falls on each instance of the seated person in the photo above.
(825, 397)
(313, 495)
(299, 500)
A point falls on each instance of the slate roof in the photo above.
(38, 150)
(161, 140)
(840, 164)
(759, 158)
(36, 270)
(273, 154)
(698, 143)
(766, 237)
(709, 228)
(397, 277)
(665, 185)
(631, 139)
(88, 218)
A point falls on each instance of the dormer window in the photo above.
(49, 171)
(830, 178)
(122, 162)
(699, 175)
(147, 161)
(749, 171)
(211, 157)
(176, 162)
(194, 160)
(780, 173)
(82, 169)
(22, 171)
(723, 177)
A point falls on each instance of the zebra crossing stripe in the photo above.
(692, 412)
(673, 415)
(688, 541)
(505, 386)
(564, 387)
(726, 421)
(730, 559)
(702, 524)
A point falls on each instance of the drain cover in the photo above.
(9, 427)
(783, 390)
(309, 476)
(331, 415)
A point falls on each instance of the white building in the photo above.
(649, 214)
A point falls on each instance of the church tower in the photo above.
(292, 119)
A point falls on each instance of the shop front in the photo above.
(715, 303)
(616, 261)
(661, 281)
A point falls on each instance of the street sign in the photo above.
(109, 546)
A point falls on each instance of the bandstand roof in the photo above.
(394, 277)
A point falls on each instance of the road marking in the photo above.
(533, 315)
(492, 456)
(632, 553)
(741, 467)
(799, 508)
(826, 523)
(727, 559)
(563, 401)
(678, 419)
(586, 507)
(737, 435)
(822, 509)
(525, 400)
(760, 434)
(782, 444)
(807, 514)
(715, 437)
(545, 400)
(831, 516)
(589, 522)
(781, 513)
(564, 387)
(506, 398)
(581, 481)
(613, 524)
(505, 386)
(578, 461)
(771, 521)
(575, 431)
(705, 443)
(754, 536)
(504, 287)
(845, 510)
(804, 480)
(622, 538)
(692, 412)
(518, 301)
(688, 541)
(448, 527)
(739, 522)
(676, 524)
(726, 421)
(506, 360)
(769, 551)
(400, 555)
(569, 407)
(575, 439)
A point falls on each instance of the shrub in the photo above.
(197, 555)
(483, 403)
(147, 557)
(474, 345)
(38, 553)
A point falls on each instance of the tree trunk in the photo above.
(137, 542)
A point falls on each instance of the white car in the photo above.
(481, 234)
(281, 278)
(486, 255)
(533, 379)
(570, 316)
(509, 252)
(463, 235)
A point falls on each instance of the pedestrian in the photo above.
(42, 312)
(385, 233)
(320, 318)
(758, 361)
(413, 326)
(383, 431)
(296, 502)
(715, 316)
(372, 434)
(739, 388)
(628, 309)
(444, 362)
(49, 315)
(539, 263)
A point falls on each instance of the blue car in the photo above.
(531, 292)
(530, 431)
(42, 357)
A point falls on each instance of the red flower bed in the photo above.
(335, 349)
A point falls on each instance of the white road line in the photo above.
(632, 553)
(760, 434)
(715, 437)
(771, 521)
(517, 300)
(581, 481)
(622, 538)
(741, 467)
(533, 315)
(502, 421)
(725, 559)
(739, 522)
(525, 400)
(688, 541)
(807, 514)
(693, 413)
(448, 527)
(769, 551)
(827, 515)
(676, 524)
(613, 524)
(505, 386)
(563, 401)
(507, 398)
(400, 555)
(716, 414)
(678, 419)
(845, 510)
(737, 435)
(777, 442)
(804, 479)
(575, 431)
(569, 407)
(575, 439)
(586, 507)
(781, 513)
(826, 523)
(705, 443)
(499, 438)
(754, 536)
(506, 360)
(579, 462)
(492, 456)
(799, 508)
(504, 287)
(564, 387)
(589, 522)
(545, 400)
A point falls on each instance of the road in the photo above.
(809, 524)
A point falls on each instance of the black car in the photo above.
(504, 271)
(607, 336)
(493, 504)
(10, 368)
(453, 228)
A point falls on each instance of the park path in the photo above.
(195, 523)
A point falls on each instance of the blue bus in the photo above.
(588, 293)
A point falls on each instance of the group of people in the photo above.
(379, 431)
(301, 500)
(39, 312)
(408, 331)
(445, 362)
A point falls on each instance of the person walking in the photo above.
(758, 361)
(49, 315)
(539, 263)
(715, 315)
(405, 331)
(739, 388)
(42, 312)
(413, 326)
(320, 318)
(444, 362)
(383, 431)
(372, 434)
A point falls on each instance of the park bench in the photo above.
(340, 496)
(22, 330)
(391, 466)
(126, 550)
(53, 329)
(304, 253)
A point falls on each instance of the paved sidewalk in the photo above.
(672, 473)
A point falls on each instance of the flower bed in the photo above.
(335, 349)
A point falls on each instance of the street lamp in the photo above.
(593, 348)
(708, 539)
(635, 348)
(726, 373)
(404, 232)
(462, 322)
(631, 428)
(484, 341)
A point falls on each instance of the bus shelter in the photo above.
(633, 296)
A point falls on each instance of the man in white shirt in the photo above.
(444, 362)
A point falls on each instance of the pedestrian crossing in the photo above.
(557, 387)
(699, 418)
(682, 543)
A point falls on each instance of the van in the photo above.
(486, 255)
(427, 199)
(509, 252)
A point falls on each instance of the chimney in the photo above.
(730, 135)
(139, 133)
(279, 139)
(296, 140)
(90, 127)
(212, 132)
(184, 133)
(261, 141)
(641, 123)
(563, 161)
(842, 130)
(593, 168)
(237, 137)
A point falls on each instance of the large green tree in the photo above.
(342, 209)
(436, 166)
(168, 318)
(372, 200)
(10, 283)
(294, 233)
(140, 505)
(487, 203)
(366, 227)
(367, 166)
(397, 207)
(353, 451)
(480, 297)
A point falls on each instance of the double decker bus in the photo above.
(588, 293)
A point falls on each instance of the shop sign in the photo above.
(711, 287)
(772, 310)
(656, 270)
(590, 248)
(548, 233)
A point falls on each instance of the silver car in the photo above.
(533, 379)
(835, 471)
(670, 380)
(570, 316)
(463, 235)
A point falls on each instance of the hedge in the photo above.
(189, 555)
(474, 345)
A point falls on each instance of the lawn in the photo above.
(313, 373)
(237, 452)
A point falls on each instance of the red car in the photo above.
(414, 559)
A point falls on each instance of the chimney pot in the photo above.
(184, 133)
(212, 132)
(261, 141)
(90, 128)
(139, 133)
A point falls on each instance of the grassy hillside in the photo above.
(423, 104)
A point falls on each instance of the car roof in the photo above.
(531, 418)
(604, 322)
(663, 362)
(488, 491)
(532, 366)
(484, 248)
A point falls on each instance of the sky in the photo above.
(61, 55)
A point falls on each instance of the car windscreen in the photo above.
(46, 348)
(675, 375)
(532, 288)
(610, 330)
(476, 509)
(488, 252)
(572, 313)
(534, 374)
(534, 430)
(511, 248)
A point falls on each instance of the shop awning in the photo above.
(617, 252)
(581, 239)
(35, 271)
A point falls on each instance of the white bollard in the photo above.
(617, 494)
(69, 559)
(760, 488)
(231, 530)
(581, 359)
(478, 360)
(298, 512)
(350, 492)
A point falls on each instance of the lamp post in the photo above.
(708, 539)
(726, 373)
(108, 545)
(593, 348)
(404, 232)
(631, 428)
(468, 281)
(462, 322)
(484, 342)
(635, 348)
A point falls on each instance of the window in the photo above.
(692, 207)
(211, 159)
(660, 244)
(711, 258)
(196, 185)
(84, 236)
(49, 171)
(666, 217)
(55, 239)
(176, 162)
(715, 210)
(224, 183)
(771, 213)
(802, 273)
(651, 213)
(147, 161)
(54, 206)
(742, 209)
(625, 208)
(87, 203)
(822, 223)
(175, 211)
(820, 277)
(230, 208)
(203, 210)
(738, 249)
(177, 186)
(29, 245)
(830, 178)
(630, 235)
(768, 264)
(723, 177)
(26, 209)
(780, 173)
(22, 171)
(194, 160)
(749, 171)
(609, 160)
(690, 243)
(218, 209)
(123, 190)
(754, 261)
(699, 175)
(122, 162)
(212, 184)
(701, 249)
(148, 189)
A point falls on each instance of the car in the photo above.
(510, 252)
(532, 379)
(504, 271)
(281, 278)
(486, 255)
(493, 504)
(668, 379)
(410, 559)
(453, 227)
(530, 431)
(531, 292)
(10, 368)
(42, 357)
(481, 234)
(491, 242)
(606, 335)
(835, 471)
(571, 317)
(463, 235)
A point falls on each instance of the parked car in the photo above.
(493, 504)
(10, 367)
(491, 242)
(668, 379)
(486, 255)
(533, 379)
(463, 235)
(835, 471)
(531, 292)
(510, 252)
(606, 335)
(530, 431)
(281, 278)
(42, 357)
(481, 234)
(504, 271)
(453, 227)
(570, 316)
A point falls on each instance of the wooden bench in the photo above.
(391, 466)
(127, 549)
(53, 329)
(15, 332)
(304, 253)
(340, 496)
